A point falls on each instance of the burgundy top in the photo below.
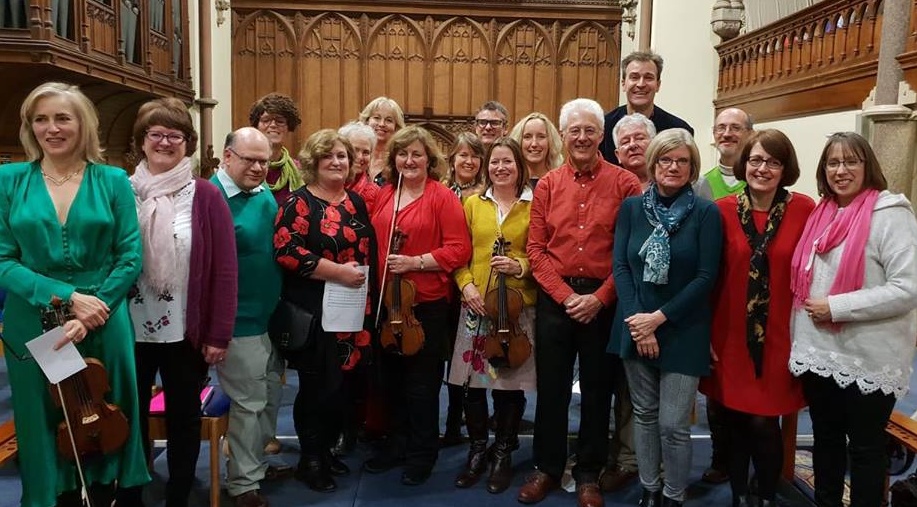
(213, 283)
(572, 226)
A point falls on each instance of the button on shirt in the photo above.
(572, 226)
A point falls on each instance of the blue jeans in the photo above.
(662, 425)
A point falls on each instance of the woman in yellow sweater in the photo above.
(500, 211)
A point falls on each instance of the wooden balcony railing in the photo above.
(141, 43)
(820, 59)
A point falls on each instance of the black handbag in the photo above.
(291, 328)
(904, 492)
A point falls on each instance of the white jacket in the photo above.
(875, 347)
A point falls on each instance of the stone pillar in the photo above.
(890, 127)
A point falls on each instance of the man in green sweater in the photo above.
(730, 130)
(250, 374)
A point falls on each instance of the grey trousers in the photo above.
(662, 430)
(250, 376)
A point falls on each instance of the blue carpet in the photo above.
(360, 489)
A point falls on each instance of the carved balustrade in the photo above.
(820, 59)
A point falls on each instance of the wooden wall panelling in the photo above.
(438, 66)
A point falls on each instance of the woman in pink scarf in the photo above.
(854, 283)
(184, 304)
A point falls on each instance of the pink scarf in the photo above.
(824, 231)
(156, 215)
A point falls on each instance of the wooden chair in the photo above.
(8, 447)
(213, 429)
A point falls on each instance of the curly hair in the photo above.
(275, 103)
(436, 164)
(317, 146)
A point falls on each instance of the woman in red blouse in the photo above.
(437, 242)
(750, 342)
(322, 233)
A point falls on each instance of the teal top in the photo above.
(684, 339)
(96, 251)
(259, 276)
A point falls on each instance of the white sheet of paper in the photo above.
(56, 364)
(344, 308)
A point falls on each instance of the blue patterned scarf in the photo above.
(666, 222)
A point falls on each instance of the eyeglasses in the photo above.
(770, 163)
(250, 161)
(849, 163)
(666, 162)
(576, 131)
(280, 121)
(157, 137)
(489, 123)
(722, 129)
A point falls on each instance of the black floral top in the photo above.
(342, 234)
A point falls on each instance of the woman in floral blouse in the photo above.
(322, 233)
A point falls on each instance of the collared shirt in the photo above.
(572, 227)
(230, 187)
(525, 196)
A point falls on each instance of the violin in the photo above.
(506, 345)
(91, 426)
(401, 331)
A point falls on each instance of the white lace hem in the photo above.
(888, 380)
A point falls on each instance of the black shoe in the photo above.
(651, 498)
(315, 479)
(415, 476)
(668, 502)
(381, 463)
(337, 467)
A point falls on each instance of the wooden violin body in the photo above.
(401, 331)
(97, 427)
(506, 345)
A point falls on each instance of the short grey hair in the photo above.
(358, 130)
(635, 119)
(581, 105)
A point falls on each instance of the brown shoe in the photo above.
(278, 472)
(589, 495)
(251, 498)
(714, 476)
(536, 487)
(616, 479)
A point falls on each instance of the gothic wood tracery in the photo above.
(439, 62)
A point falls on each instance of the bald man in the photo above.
(250, 373)
(730, 130)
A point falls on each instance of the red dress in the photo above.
(732, 380)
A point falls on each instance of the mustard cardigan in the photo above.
(481, 216)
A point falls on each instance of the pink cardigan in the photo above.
(213, 283)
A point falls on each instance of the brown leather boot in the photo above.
(509, 416)
(476, 421)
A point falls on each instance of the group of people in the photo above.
(521, 253)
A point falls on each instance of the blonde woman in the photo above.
(542, 148)
(385, 117)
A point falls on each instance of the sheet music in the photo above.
(344, 308)
(58, 364)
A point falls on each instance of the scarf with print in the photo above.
(655, 252)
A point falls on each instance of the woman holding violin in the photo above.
(68, 230)
(424, 240)
(493, 348)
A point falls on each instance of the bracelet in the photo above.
(421, 261)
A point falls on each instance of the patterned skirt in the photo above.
(468, 362)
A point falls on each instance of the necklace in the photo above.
(60, 181)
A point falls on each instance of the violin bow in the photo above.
(391, 233)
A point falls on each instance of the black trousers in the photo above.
(412, 386)
(183, 372)
(757, 438)
(559, 340)
(839, 414)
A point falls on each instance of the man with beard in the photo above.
(641, 77)
(731, 129)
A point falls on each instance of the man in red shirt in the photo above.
(571, 237)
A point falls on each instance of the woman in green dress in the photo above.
(68, 228)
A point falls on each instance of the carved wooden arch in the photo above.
(575, 28)
(349, 23)
(441, 135)
(254, 16)
(506, 30)
(438, 35)
(374, 30)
